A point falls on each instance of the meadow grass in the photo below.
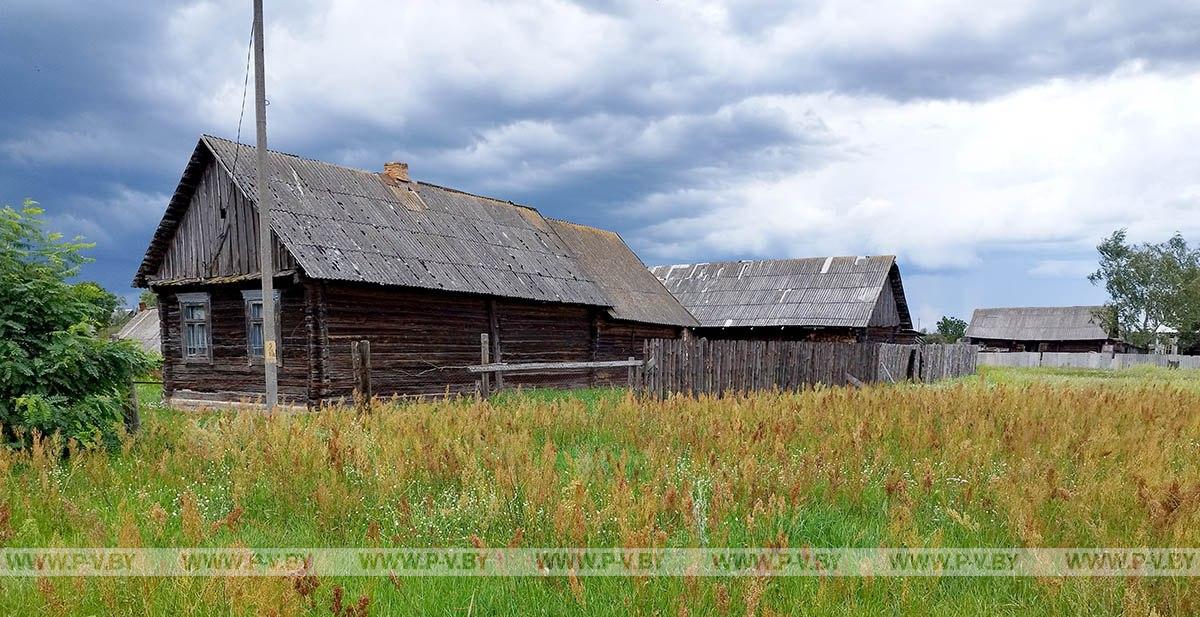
(1009, 458)
(1136, 376)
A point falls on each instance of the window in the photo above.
(197, 333)
(255, 341)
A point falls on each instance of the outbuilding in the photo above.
(1044, 328)
(846, 299)
(418, 270)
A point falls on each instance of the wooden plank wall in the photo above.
(218, 236)
(720, 367)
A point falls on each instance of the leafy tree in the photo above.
(951, 329)
(56, 375)
(1150, 286)
(149, 298)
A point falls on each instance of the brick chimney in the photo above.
(396, 171)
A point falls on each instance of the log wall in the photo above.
(419, 339)
(230, 374)
(422, 341)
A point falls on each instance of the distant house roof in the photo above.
(351, 225)
(143, 329)
(815, 292)
(1041, 323)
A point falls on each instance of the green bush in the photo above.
(56, 373)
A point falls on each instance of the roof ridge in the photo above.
(1021, 308)
(367, 171)
(506, 202)
(573, 223)
(770, 259)
(293, 155)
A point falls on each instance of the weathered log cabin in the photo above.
(417, 269)
(834, 299)
(1044, 328)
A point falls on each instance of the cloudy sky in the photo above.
(989, 145)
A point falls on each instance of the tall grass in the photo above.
(990, 461)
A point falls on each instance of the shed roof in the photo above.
(351, 225)
(1038, 323)
(815, 291)
(143, 329)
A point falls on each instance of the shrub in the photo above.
(56, 374)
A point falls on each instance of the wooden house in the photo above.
(418, 270)
(848, 299)
(1043, 328)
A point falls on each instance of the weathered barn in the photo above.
(417, 269)
(815, 299)
(1042, 328)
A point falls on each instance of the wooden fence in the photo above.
(1033, 359)
(718, 367)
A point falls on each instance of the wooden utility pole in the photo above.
(266, 248)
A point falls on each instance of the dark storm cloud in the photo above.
(100, 106)
(77, 132)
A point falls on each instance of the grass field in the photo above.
(1013, 457)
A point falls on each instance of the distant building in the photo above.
(1043, 328)
(849, 299)
(143, 329)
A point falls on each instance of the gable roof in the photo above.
(346, 224)
(1038, 323)
(143, 329)
(815, 291)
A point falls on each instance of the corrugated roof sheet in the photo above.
(817, 291)
(636, 294)
(143, 329)
(353, 225)
(1038, 323)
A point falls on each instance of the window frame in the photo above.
(249, 298)
(195, 299)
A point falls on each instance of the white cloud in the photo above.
(1059, 164)
(1062, 268)
(475, 64)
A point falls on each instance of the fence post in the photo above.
(485, 379)
(133, 420)
(360, 354)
